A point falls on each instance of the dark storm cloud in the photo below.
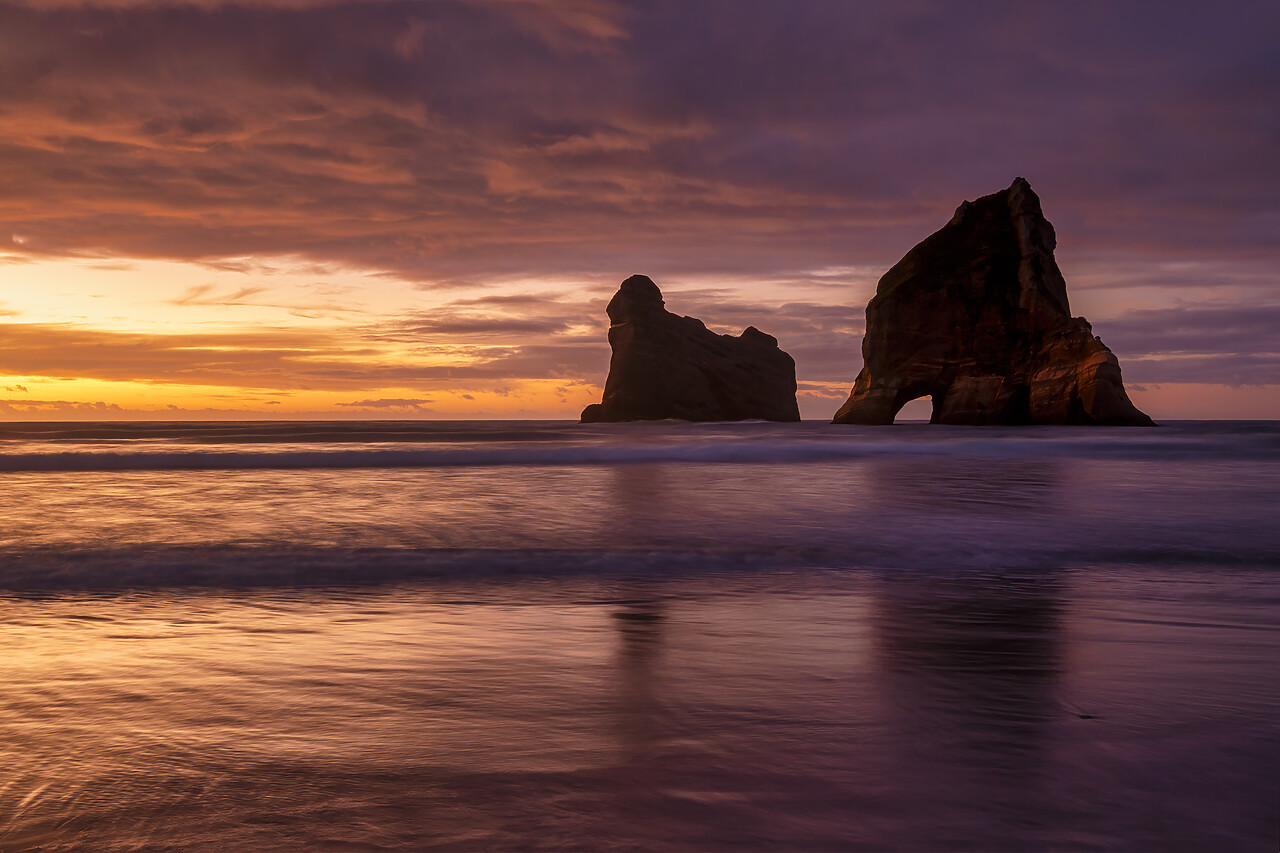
(497, 138)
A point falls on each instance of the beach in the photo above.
(541, 635)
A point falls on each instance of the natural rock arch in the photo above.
(977, 317)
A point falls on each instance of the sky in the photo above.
(419, 208)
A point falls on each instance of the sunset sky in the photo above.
(412, 208)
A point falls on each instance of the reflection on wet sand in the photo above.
(639, 624)
(969, 669)
(733, 711)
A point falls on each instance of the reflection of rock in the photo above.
(980, 656)
(969, 673)
(640, 630)
(977, 316)
(666, 366)
(995, 638)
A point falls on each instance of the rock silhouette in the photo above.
(667, 366)
(977, 317)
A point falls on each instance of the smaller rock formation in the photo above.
(976, 316)
(666, 366)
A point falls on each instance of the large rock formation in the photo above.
(977, 316)
(665, 366)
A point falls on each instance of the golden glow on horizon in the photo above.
(45, 399)
(288, 337)
(258, 337)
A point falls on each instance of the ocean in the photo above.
(406, 635)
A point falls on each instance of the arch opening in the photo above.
(917, 410)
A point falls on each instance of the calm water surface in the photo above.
(514, 636)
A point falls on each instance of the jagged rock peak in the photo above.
(669, 367)
(977, 317)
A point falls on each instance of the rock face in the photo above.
(977, 317)
(665, 366)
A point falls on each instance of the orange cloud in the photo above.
(280, 359)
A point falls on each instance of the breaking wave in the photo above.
(768, 445)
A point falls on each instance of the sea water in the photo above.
(662, 636)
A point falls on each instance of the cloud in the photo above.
(532, 317)
(1233, 370)
(278, 359)
(786, 153)
(824, 340)
(157, 5)
(387, 403)
(478, 324)
(30, 407)
(467, 139)
(1111, 271)
(1231, 344)
(202, 294)
(815, 392)
(99, 410)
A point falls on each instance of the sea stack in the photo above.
(977, 317)
(667, 366)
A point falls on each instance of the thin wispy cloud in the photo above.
(387, 403)
(1212, 343)
(206, 294)
(275, 360)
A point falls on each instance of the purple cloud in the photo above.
(1214, 343)
(465, 142)
(488, 138)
